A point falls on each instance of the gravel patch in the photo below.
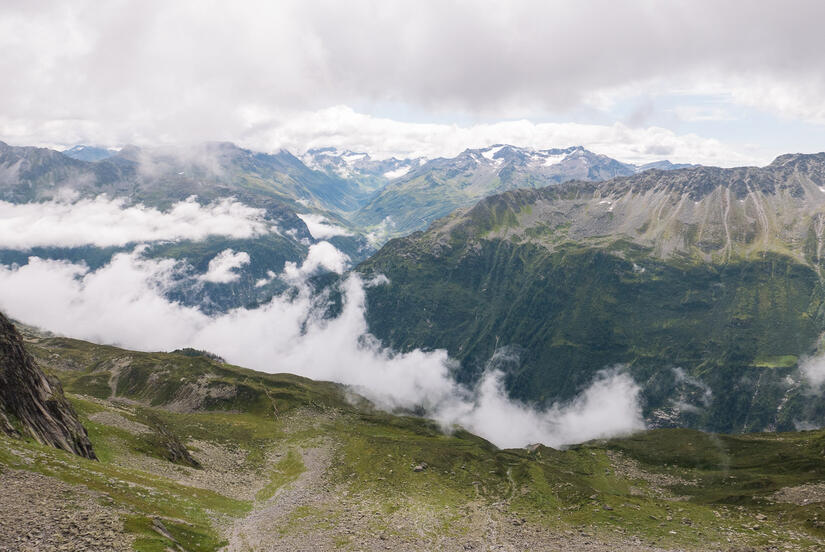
(42, 514)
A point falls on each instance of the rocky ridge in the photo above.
(32, 404)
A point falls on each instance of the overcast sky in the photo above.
(725, 83)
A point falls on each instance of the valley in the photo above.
(303, 276)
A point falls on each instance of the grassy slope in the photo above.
(740, 327)
(583, 489)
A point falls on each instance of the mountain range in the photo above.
(343, 189)
(705, 283)
(439, 186)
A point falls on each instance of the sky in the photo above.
(722, 83)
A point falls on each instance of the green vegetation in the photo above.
(284, 471)
(711, 314)
(405, 478)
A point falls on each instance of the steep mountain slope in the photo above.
(705, 282)
(33, 405)
(441, 185)
(287, 463)
(370, 174)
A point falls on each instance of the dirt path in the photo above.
(311, 515)
(263, 528)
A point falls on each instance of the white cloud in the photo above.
(693, 113)
(270, 275)
(123, 303)
(107, 222)
(397, 173)
(321, 228)
(321, 256)
(813, 369)
(223, 267)
(153, 71)
(608, 407)
(344, 128)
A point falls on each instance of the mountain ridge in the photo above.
(708, 272)
(441, 185)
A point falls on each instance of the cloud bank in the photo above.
(124, 303)
(153, 71)
(104, 222)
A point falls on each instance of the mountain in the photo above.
(33, 405)
(704, 283)
(280, 184)
(158, 176)
(89, 153)
(439, 186)
(287, 463)
(664, 166)
(370, 174)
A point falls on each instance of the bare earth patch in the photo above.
(657, 483)
(223, 469)
(114, 419)
(801, 495)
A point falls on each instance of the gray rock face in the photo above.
(33, 404)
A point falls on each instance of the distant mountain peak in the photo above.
(83, 152)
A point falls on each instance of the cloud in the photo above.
(124, 303)
(104, 222)
(153, 71)
(461, 55)
(607, 408)
(320, 256)
(344, 128)
(270, 275)
(813, 370)
(223, 267)
(321, 228)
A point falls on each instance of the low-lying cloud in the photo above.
(105, 222)
(124, 303)
(223, 268)
(321, 256)
(813, 370)
(321, 228)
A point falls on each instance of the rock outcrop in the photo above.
(32, 403)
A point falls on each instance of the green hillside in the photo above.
(709, 273)
(285, 463)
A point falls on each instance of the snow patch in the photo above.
(489, 153)
(551, 160)
(397, 173)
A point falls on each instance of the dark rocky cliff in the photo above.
(32, 403)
